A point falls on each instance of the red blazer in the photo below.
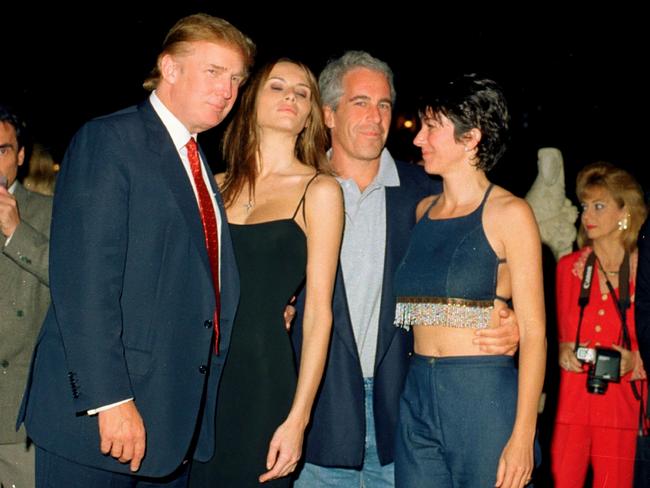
(601, 326)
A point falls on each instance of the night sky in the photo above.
(572, 81)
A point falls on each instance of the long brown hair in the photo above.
(241, 141)
(625, 191)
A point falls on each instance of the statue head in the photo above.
(550, 166)
(554, 212)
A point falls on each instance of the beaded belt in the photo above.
(443, 312)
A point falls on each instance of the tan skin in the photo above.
(11, 158)
(359, 128)
(600, 217)
(511, 230)
(283, 106)
(199, 88)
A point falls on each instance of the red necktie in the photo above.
(209, 221)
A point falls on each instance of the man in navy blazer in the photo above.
(124, 376)
(351, 436)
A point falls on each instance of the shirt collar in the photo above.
(13, 186)
(178, 132)
(387, 174)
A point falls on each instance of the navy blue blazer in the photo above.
(133, 299)
(336, 434)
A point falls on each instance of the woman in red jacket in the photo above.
(597, 419)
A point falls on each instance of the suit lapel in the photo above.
(386, 328)
(172, 172)
(342, 323)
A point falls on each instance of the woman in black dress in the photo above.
(286, 219)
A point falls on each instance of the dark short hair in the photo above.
(9, 116)
(472, 103)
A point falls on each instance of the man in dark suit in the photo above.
(143, 280)
(24, 294)
(351, 436)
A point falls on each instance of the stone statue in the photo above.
(554, 212)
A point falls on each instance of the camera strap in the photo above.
(585, 290)
(623, 302)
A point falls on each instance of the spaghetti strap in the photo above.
(487, 194)
(302, 199)
(433, 202)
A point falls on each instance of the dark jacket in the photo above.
(133, 299)
(336, 435)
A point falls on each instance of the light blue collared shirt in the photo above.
(363, 252)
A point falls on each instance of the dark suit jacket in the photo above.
(133, 299)
(642, 297)
(336, 435)
(24, 299)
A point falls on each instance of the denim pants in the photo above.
(456, 415)
(371, 475)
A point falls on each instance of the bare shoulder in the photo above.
(324, 188)
(220, 178)
(509, 219)
(323, 206)
(509, 208)
(423, 205)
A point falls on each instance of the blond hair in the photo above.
(201, 27)
(625, 191)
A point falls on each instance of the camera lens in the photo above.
(597, 386)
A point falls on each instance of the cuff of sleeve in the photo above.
(9, 239)
(95, 411)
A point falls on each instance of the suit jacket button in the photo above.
(207, 324)
(203, 369)
(4, 363)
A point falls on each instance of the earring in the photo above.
(466, 149)
(623, 224)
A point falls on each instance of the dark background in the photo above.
(572, 79)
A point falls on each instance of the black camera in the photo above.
(604, 367)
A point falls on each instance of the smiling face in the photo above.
(359, 125)
(10, 156)
(600, 214)
(201, 84)
(284, 99)
(440, 149)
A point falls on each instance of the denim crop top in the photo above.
(448, 276)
